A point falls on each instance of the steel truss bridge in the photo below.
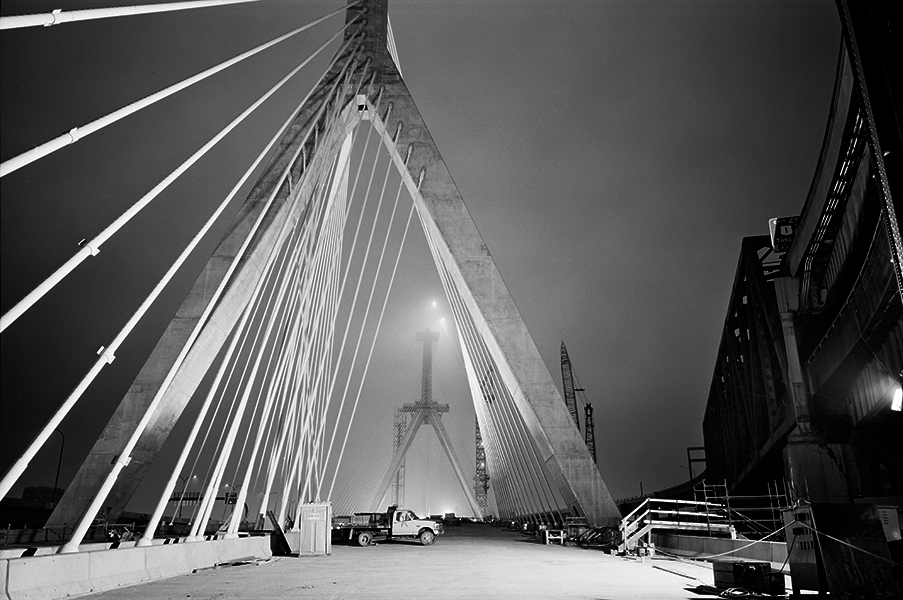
(807, 382)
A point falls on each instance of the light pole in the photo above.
(184, 480)
(58, 464)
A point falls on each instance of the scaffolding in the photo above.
(399, 428)
(589, 430)
(481, 475)
(753, 516)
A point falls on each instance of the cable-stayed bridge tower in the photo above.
(278, 268)
(425, 412)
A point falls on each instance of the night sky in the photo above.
(613, 155)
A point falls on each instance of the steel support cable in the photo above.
(272, 447)
(279, 434)
(230, 364)
(312, 285)
(366, 311)
(432, 245)
(302, 425)
(454, 300)
(290, 398)
(294, 275)
(353, 307)
(220, 289)
(290, 278)
(77, 133)
(226, 360)
(517, 471)
(483, 419)
(107, 354)
(280, 462)
(351, 256)
(281, 390)
(379, 263)
(260, 342)
(512, 424)
(263, 425)
(169, 487)
(221, 454)
(250, 309)
(497, 471)
(535, 464)
(498, 431)
(376, 333)
(92, 247)
(355, 490)
(487, 428)
(265, 388)
(324, 334)
(58, 17)
(524, 493)
(465, 325)
(526, 449)
(313, 248)
(123, 459)
(340, 287)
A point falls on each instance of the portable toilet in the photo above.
(316, 528)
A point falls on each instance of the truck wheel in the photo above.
(427, 537)
(364, 538)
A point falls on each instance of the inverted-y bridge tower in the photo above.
(425, 412)
(535, 453)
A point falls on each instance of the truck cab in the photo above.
(405, 523)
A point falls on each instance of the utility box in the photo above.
(316, 529)
(751, 575)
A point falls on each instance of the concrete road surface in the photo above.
(470, 561)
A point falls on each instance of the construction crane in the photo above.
(567, 380)
(589, 431)
(570, 399)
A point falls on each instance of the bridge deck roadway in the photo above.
(471, 561)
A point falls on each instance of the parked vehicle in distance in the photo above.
(395, 523)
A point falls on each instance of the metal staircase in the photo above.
(663, 514)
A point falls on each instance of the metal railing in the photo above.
(672, 515)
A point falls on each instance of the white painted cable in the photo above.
(92, 247)
(58, 17)
(77, 133)
(381, 314)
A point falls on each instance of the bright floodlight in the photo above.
(897, 403)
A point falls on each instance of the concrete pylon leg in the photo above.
(452, 456)
(194, 337)
(473, 272)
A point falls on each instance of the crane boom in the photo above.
(567, 379)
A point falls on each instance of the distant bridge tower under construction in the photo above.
(425, 411)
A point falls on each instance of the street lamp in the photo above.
(184, 479)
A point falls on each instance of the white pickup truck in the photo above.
(395, 523)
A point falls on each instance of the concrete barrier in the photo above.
(49, 576)
(54, 576)
(166, 561)
(108, 569)
(4, 578)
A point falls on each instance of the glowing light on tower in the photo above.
(897, 403)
